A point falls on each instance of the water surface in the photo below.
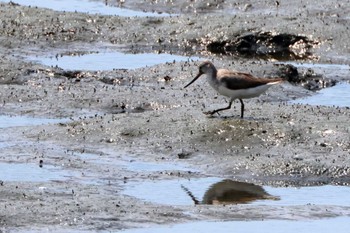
(14, 121)
(339, 225)
(170, 192)
(338, 95)
(29, 172)
(85, 6)
(109, 60)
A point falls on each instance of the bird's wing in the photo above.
(235, 80)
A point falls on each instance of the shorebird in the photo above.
(233, 84)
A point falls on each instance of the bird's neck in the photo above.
(212, 78)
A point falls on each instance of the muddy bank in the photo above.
(123, 116)
(183, 33)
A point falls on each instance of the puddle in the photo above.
(32, 172)
(15, 121)
(109, 60)
(177, 192)
(84, 6)
(339, 225)
(216, 191)
(311, 195)
(130, 164)
(338, 95)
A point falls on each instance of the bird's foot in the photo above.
(208, 113)
(211, 113)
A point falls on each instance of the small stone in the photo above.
(110, 140)
(167, 78)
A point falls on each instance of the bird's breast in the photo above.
(213, 82)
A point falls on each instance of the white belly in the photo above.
(242, 93)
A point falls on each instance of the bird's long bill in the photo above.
(195, 78)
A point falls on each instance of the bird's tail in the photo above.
(275, 81)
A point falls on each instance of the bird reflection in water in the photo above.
(231, 192)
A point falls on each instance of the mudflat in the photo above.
(112, 118)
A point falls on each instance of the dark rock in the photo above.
(265, 45)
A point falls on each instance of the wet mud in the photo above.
(265, 45)
(115, 117)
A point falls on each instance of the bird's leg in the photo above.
(220, 109)
(242, 107)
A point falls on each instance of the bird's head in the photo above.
(204, 68)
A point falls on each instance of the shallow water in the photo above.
(328, 71)
(29, 172)
(338, 95)
(170, 192)
(14, 121)
(109, 60)
(85, 6)
(339, 225)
